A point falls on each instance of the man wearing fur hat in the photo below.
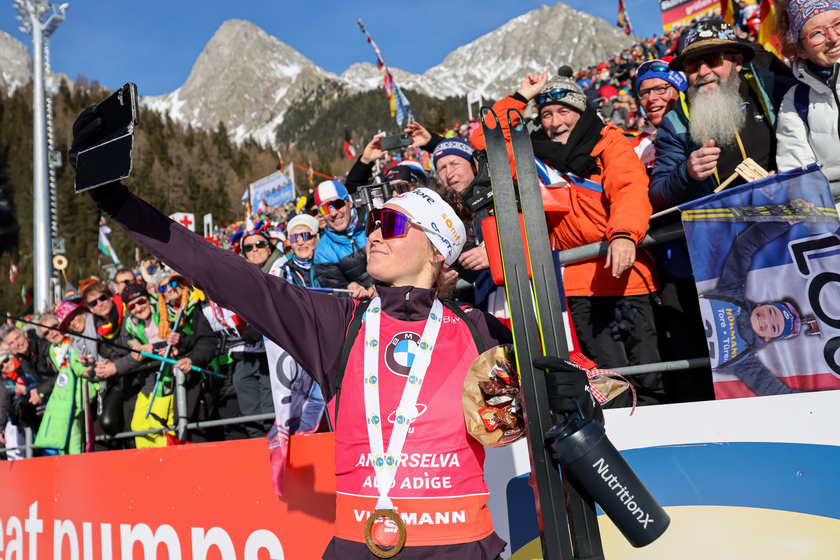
(608, 202)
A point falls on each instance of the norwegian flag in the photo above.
(137, 255)
(349, 149)
(13, 270)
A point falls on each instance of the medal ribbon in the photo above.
(385, 464)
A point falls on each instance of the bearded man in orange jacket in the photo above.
(610, 298)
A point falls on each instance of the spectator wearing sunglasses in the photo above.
(807, 130)
(109, 313)
(122, 278)
(298, 267)
(658, 88)
(194, 343)
(340, 255)
(143, 335)
(729, 115)
(256, 246)
(608, 201)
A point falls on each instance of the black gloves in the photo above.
(564, 382)
(108, 198)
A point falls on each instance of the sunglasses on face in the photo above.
(653, 66)
(97, 301)
(712, 60)
(302, 237)
(391, 223)
(171, 284)
(818, 35)
(658, 90)
(135, 303)
(248, 247)
(555, 95)
(324, 209)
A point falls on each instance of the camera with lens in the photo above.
(376, 195)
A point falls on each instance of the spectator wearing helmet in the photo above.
(608, 203)
(340, 260)
(658, 88)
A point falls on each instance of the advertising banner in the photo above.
(766, 260)
(201, 502)
(272, 191)
(680, 13)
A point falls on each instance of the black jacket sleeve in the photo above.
(360, 174)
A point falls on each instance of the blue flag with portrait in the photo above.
(766, 261)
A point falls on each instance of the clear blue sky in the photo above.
(154, 43)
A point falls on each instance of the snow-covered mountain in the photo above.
(247, 79)
(496, 63)
(244, 78)
(15, 63)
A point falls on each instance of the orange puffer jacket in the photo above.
(622, 210)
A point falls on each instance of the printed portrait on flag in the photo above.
(766, 260)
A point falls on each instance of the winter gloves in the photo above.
(566, 382)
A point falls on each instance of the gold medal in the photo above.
(385, 533)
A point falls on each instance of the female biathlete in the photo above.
(400, 437)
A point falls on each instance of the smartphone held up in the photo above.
(108, 154)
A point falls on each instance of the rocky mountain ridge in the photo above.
(247, 79)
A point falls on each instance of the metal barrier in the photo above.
(181, 427)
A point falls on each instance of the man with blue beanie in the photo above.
(454, 164)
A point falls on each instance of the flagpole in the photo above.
(396, 91)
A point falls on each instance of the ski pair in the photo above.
(564, 508)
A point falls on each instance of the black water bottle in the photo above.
(584, 449)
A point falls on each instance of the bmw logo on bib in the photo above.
(399, 355)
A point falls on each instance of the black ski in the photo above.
(549, 493)
(583, 519)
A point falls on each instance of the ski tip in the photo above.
(520, 120)
(485, 112)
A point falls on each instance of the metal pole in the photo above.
(181, 403)
(42, 249)
(30, 442)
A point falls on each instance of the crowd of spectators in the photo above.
(620, 128)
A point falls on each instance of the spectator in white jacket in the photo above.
(808, 126)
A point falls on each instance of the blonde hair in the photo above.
(164, 327)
